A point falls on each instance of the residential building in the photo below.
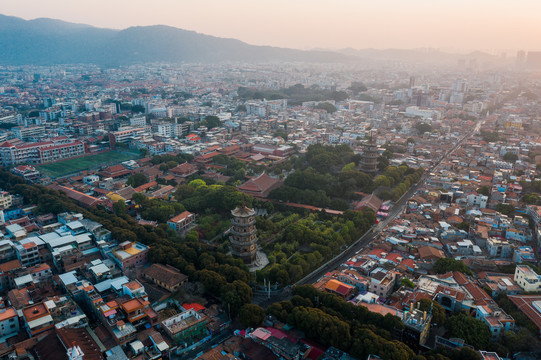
(417, 327)
(183, 222)
(381, 281)
(130, 255)
(527, 279)
(28, 254)
(6, 200)
(9, 322)
(499, 248)
(41, 152)
(37, 319)
(125, 135)
(186, 327)
(165, 276)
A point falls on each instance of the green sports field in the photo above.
(71, 166)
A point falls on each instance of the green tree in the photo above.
(138, 108)
(330, 108)
(438, 312)
(197, 183)
(490, 136)
(531, 199)
(251, 315)
(444, 265)
(423, 127)
(212, 281)
(136, 180)
(119, 208)
(510, 157)
(138, 198)
(407, 283)
(236, 294)
(484, 190)
(506, 209)
(474, 331)
(464, 226)
(211, 121)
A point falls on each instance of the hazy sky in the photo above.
(447, 24)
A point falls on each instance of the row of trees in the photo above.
(332, 321)
(222, 274)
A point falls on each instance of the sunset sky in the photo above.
(453, 25)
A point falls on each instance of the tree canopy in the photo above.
(444, 265)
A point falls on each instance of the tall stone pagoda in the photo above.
(369, 158)
(243, 234)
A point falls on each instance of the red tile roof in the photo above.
(525, 304)
(260, 185)
(146, 186)
(79, 197)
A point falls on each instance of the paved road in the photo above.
(397, 209)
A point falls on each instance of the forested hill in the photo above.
(48, 41)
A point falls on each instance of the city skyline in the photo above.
(456, 26)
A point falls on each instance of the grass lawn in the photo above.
(70, 166)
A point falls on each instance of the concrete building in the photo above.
(527, 279)
(186, 328)
(6, 200)
(183, 222)
(124, 135)
(417, 329)
(130, 255)
(42, 152)
(9, 322)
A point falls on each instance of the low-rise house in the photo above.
(382, 282)
(183, 222)
(37, 319)
(9, 322)
(165, 276)
(130, 255)
(187, 327)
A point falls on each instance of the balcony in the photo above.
(235, 222)
(243, 243)
(241, 233)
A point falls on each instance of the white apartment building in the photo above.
(527, 279)
(125, 134)
(25, 133)
(6, 200)
(42, 152)
(138, 120)
(162, 128)
(479, 200)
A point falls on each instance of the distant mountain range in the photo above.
(49, 41)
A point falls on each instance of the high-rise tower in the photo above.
(243, 234)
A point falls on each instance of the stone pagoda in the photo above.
(369, 158)
(243, 234)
